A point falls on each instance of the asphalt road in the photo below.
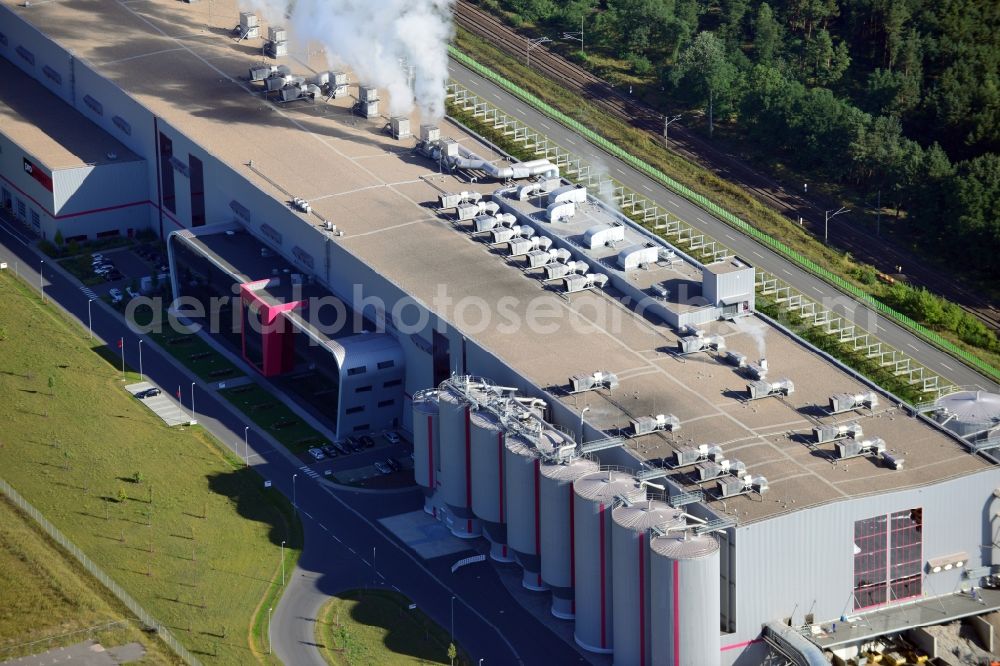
(745, 247)
(340, 525)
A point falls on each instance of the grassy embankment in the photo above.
(377, 627)
(168, 513)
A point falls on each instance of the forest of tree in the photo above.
(895, 97)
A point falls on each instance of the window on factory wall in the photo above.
(887, 558)
(36, 222)
(168, 192)
(197, 191)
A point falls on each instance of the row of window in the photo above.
(361, 408)
(392, 383)
(362, 369)
(888, 558)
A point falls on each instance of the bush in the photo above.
(640, 64)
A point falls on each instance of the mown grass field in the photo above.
(48, 600)
(167, 513)
(377, 627)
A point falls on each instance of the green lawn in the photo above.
(46, 594)
(377, 627)
(195, 538)
(274, 416)
(82, 269)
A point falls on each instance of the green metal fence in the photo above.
(726, 216)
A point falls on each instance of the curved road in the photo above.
(340, 526)
(747, 248)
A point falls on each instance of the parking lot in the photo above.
(353, 464)
(162, 404)
(118, 269)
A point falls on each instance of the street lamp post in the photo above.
(667, 122)
(826, 221)
(374, 570)
(41, 285)
(141, 376)
(246, 446)
(192, 400)
(584, 411)
(453, 623)
(282, 563)
(533, 43)
(90, 320)
(295, 505)
(269, 629)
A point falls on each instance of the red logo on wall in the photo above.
(37, 174)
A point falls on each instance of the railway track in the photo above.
(884, 255)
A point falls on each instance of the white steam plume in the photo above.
(370, 37)
(756, 329)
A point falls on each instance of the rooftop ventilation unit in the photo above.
(709, 470)
(523, 192)
(399, 127)
(700, 342)
(367, 94)
(471, 210)
(261, 72)
(522, 246)
(737, 359)
(277, 42)
(568, 193)
(560, 211)
(539, 258)
(853, 448)
(763, 389)
(832, 433)
(603, 235)
(336, 85)
(249, 27)
(575, 283)
(452, 200)
(647, 424)
(484, 223)
(892, 461)
(734, 486)
(276, 34)
(692, 455)
(637, 256)
(598, 380)
(507, 234)
(557, 271)
(757, 370)
(846, 402)
(301, 205)
(430, 133)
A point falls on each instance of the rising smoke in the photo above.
(756, 329)
(372, 38)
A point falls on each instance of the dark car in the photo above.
(353, 444)
(148, 393)
(341, 447)
(367, 441)
(330, 450)
(393, 463)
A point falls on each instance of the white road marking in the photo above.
(818, 291)
(619, 171)
(730, 237)
(674, 203)
(947, 367)
(496, 95)
(306, 514)
(352, 550)
(647, 188)
(786, 271)
(323, 526)
(545, 126)
(912, 347)
(519, 110)
(756, 254)
(701, 220)
(474, 82)
(569, 140)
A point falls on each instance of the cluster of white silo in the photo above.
(631, 572)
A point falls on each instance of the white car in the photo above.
(382, 468)
(116, 295)
(391, 436)
(96, 258)
(316, 453)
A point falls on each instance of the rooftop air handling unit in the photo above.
(399, 127)
(699, 342)
(696, 454)
(659, 423)
(592, 382)
(847, 402)
(734, 486)
(576, 282)
(455, 199)
(764, 389)
(831, 433)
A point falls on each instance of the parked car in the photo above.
(367, 441)
(96, 258)
(392, 437)
(113, 275)
(148, 393)
(329, 450)
(353, 444)
(116, 295)
(316, 453)
(101, 269)
(341, 447)
(131, 292)
(393, 464)
(383, 468)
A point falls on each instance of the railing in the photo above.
(653, 218)
(726, 216)
(144, 616)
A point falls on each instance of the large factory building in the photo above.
(684, 481)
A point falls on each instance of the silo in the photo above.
(555, 493)
(630, 533)
(594, 496)
(426, 442)
(684, 600)
(487, 459)
(521, 484)
(456, 484)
